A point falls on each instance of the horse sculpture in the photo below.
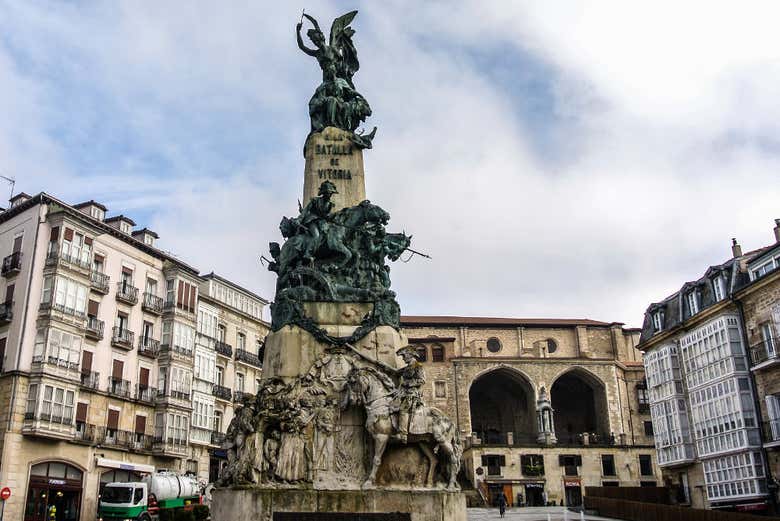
(375, 391)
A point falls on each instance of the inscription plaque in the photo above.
(338, 516)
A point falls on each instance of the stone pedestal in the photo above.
(260, 504)
(331, 156)
(291, 351)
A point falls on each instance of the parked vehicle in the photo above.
(144, 500)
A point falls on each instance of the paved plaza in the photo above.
(531, 514)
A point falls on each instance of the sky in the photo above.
(555, 159)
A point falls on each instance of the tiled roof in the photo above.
(411, 320)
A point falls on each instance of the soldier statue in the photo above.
(408, 395)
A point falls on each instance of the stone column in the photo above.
(331, 156)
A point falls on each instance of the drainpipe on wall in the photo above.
(757, 403)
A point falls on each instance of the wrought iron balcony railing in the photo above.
(99, 281)
(223, 349)
(764, 351)
(248, 358)
(90, 379)
(148, 347)
(127, 293)
(122, 337)
(222, 392)
(119, 387)
(152, 303)
(12, 264)
(95, 328)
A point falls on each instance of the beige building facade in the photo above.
(545, 406)
(98, 336)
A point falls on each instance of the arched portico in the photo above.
(502, 407)
(580, 402)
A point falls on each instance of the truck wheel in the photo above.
(145, 517)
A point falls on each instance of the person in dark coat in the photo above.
(501, 504)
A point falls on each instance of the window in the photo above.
(148, 331)
(76, 247)
(169, 291)
(493, 463)
(552, 345)
(437, 353)
(241, 341)
(126, 277)
(658, 320)
(764, 269)
(440, 389)
(124, 227)
(258, 385)
(221, 332)
(532, 464)
(192, 466)
(67, 294)
(97, 213)
(648, 428)
(98, 263)
(693, 302)
(64, 348)
(608, 465)
(180, 382)
(239, 382)
(718, 288)
(642, 397)
(422, 353)
(767, 336)
(570, 463)
(183, 336)
(494, 345)
(57, 404)
(218, 421)
(645, 465)
(220, 376)
(151, 286)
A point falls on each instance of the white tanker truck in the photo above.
(143, 500)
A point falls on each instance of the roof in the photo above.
(91, 202)
(412, 320)
(120, 217)
(147, 231)
(20, 195)
(44, 198)
(214, 276)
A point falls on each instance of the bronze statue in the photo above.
(336, 102)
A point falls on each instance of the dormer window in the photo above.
(693, 302)
(97, 213)
(658, 320)
(124, 227)
(718, 288)
(148, 239)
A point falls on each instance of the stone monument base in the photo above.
(261, 504)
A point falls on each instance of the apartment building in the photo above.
(99, 333)
(711, 366)
(545, 406)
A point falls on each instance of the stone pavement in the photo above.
(530, 514)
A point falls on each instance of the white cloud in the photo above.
(666, 117)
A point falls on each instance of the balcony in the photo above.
(152, 304)
(95, 328)
(148, 347)
(12, 264)
(222, 392)
(765, 353)
(179, 350)
(241, 396)
(48, 425)
(217, 438)
(6, 313)
(118, 387)
(144, 393)
(127, 293)
(122, 338)
(248, 358)
(57, 258)
(90, 380)
(62, 313)
(86, 433)
(170, 446)
(223, 349)
(115, 438)
(99, 282)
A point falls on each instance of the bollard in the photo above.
(582, 515)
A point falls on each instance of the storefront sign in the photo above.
(571, 482)
(534, 485)
(57, 482)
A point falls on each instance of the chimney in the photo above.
(736, 249)
(777, 230)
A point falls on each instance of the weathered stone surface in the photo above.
(259, 504)
(338, 313)
(332, 156)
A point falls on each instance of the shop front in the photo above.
(534, 494)
(54, 492)
(573, 491)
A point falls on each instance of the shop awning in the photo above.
(125, 465)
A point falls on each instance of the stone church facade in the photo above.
(545, 406)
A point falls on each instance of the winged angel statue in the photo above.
(336, 102)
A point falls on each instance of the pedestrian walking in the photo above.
(501, 504)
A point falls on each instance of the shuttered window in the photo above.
(143, 377)
(140, 424)
(55, 234)
(92, 308)
(68, 234)
(81, 412)
(118, 369)
(9, 293)
(17, 244)
(86, 362)
(113, 419)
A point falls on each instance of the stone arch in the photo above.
(579, 399)
(502, 405)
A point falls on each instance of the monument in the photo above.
(339, 428)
